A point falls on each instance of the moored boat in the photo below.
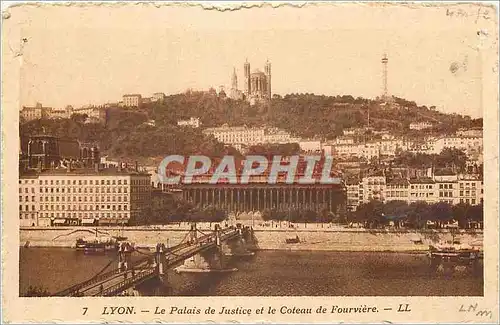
(450, 254)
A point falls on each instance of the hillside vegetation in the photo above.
(126, 133)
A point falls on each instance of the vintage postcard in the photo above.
(249, 162)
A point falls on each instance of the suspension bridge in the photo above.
(203, 252)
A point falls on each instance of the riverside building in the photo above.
(82, 196)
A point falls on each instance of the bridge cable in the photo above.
(77, 286)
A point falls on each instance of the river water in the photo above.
(269, 273)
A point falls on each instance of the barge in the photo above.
(452, 254)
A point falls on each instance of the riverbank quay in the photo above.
(311, 237)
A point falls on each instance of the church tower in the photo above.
(246, 88)
(267, 70)
(234, 80)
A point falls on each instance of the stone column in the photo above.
(251, 200)
(277, 198)
(238, 201)
(244, 200)
(258, 199)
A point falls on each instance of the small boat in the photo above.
(452, 254)
(97, 244)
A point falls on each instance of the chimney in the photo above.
(96, 167)
(136, 166)
(119, 166)
(69, 167)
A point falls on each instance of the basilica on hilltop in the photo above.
(256, 85)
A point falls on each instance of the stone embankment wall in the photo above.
(312, 237)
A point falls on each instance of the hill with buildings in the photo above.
(152, 131)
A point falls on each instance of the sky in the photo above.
(93, 55)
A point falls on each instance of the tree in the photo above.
(396, 209)
(476, 213)
(371, 213)
(419, 213)
(460, 213)
(442, 212)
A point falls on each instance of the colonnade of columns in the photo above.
(258, 199)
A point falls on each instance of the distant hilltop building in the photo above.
(250, 136)
(132, 100)
(256, 85)
(135, 100)
(420, 125)
(95, 114)
(193, 122)
(158, 97)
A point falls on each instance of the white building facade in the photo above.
(83, 197)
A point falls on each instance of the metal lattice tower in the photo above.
(385, 60)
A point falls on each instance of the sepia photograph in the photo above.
(204, 150)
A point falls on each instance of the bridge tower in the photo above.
(193, 234)
(124, 256)
(159, 259)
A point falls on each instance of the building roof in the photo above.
(111, 171)
(397, 181)
(257, 72)
(421, 180)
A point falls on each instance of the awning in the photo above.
(88, 221)
(107, 222)
(59, 221)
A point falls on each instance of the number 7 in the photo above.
(85, 310)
